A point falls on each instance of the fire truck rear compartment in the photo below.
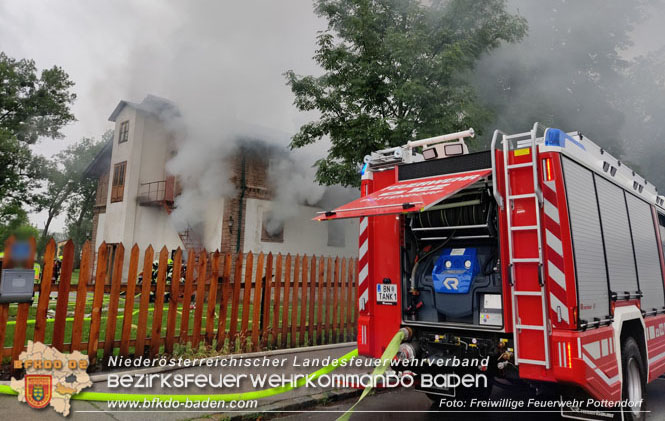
(451, 264)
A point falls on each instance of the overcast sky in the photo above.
(220, 61)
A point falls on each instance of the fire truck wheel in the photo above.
(634, 380)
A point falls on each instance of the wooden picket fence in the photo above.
(235, 302)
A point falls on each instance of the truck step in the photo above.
(530, 327)
(524, 228)
(529, 293)
(523, 165)
(521, 196)
(525, 260)
(534, 362)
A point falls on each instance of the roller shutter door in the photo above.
(587, 242)
(616, 236)
(646, 253)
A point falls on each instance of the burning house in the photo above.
(139, 200)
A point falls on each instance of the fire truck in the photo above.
(544, 253)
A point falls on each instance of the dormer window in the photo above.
(123, 136)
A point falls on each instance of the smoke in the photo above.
(222, 64)
(292, 183)
(584, 65)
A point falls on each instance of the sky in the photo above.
(221, 62)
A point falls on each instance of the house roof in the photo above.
(160, 107)
(101, 163)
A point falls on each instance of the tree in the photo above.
(14, 220)
(66, 187)
(395, 70)
(82, 198)
(32, 105)
(567, 72)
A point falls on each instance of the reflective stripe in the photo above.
(363, 224)
(609, 380)
(593, 348)
(554, 303)
(363, 249)
(362, 276)
(554, 243)
(556, 275)
(363, 300)
(551, 211)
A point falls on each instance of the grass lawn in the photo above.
(9, 338)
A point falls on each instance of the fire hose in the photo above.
(388, 355)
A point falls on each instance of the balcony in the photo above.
(157, 193)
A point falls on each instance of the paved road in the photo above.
(412, 405)
(11, 410)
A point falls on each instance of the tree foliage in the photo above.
(14, 221)
(66, 188)
(394, 70)
(567, 72)
(32, 105)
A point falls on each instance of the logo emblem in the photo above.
(451, 283)
(38, 390)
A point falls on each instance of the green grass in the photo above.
(241, 343)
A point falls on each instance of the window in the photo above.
(123, 136)
(272, 229)
(118, 187)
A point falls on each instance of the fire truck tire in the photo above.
(634, 380)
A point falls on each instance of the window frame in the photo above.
(118, 182)
(267, 238)
(123, 133)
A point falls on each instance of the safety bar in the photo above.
(495, 191)
(438, 139)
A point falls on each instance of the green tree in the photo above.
(82, 198)
(395, 70)
(32, 105)
(66, 188)
(14, 220)
(568, 72)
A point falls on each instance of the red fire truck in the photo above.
(544, 253)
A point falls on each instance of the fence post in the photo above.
(130, 293)
(158, 309)
(265, 301)
(223, 306)
(146, 280)
(187, 297)
(82, 295)
(276, 308)
(171, 317)
(97, 302)
(212, 298)
(285, 306)
(44, 292)
(113, 301)
(257, 303)
(200, 296)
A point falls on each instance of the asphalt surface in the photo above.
(11, 409)
(412, 405)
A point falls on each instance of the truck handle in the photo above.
(495, 191)
(541, 274)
